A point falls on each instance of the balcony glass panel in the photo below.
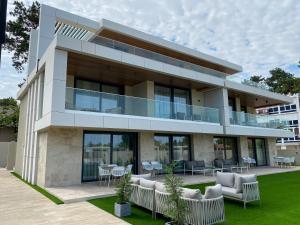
(253, 120)
(86, 100)
(154, 56)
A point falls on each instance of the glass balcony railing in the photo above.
(253, 120)
(93, 101)
(155, 56)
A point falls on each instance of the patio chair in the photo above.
(117, 172)
(248, 161)
(180, 166)
(157, 167)
(103, 173)
(288, 161)
(147, 167)
(224, 164)
(128, 168)
(197, 166)
(278, 161)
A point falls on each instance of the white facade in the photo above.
(65, 43)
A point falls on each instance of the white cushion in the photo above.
(147, 183)
(231, 192)
(191, 193)
(225, 179)
(135, 180)
(213, 191)
(146, 176)
(160, 187)
(239, 180)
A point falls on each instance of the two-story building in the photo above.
(101, 93)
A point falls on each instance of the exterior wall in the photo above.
(203, 148)
(60, 161)
(197, 97)
(146, 148)
(4, 148)
(242, 145)
(21, 135)
(271, 150)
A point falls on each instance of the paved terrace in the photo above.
(93, 190)
(22, 205)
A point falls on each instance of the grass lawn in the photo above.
(280, 204)
(41, 190)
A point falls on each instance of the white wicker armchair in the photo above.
(199, 212)
(250, 192)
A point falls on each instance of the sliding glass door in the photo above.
(257, 150)
(226, 148)
(172, 147)
(107, 148)
(171, 102)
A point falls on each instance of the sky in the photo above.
(258, 35)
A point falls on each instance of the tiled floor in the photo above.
(94, 190)
(22, 205)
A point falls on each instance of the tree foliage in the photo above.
(175, 207)
(18, 30)
(124, 189)
(9, 113)
(280, 81)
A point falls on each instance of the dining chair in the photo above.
(103, 173)
(117, 172)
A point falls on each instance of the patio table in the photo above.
(239, 168)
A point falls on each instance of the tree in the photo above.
(257, 78)
(280, 81)
(9, 113)
(18, 32)
(283, 82)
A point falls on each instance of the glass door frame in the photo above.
(237, 154)
(170, 136)
(120, 88)
(172, 110)
(135, 150)
(254, 149)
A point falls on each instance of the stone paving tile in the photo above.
(22, 205)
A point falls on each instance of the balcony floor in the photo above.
(92, 190)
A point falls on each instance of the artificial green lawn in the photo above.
(41, 190)
(280, 204)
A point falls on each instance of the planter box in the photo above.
(122, 209)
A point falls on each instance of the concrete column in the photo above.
(242, 143)
(218, 98)
(238, 104)
(203, 147)
(32, 55)
(146, 148)
(271, 150)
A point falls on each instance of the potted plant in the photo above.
(124, 189)
(176, 207)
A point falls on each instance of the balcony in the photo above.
(253, 120)
(106, 42)
(93, 101)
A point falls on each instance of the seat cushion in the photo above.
(231, 192)
(160, 187)
(189, 165)
(147, 183)
(225, 179)
(191, 193)
(213, 191)
(146, 175)
(199, 164)
(135, 180)
(239, 180)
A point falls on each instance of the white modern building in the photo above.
(291, 114)
(101, 93)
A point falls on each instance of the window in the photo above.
(171, 102)
(225, 148)
(101, 148)
(171, 147)
(293, 106)
(88, 96)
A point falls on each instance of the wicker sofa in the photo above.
(202, 210)
(244, 188)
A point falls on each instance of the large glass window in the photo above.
(106, 148)
(94, 101)
(171, 102)
(172, 147)
(225, 148)
(257, 150)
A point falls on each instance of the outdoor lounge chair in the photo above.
(201, 210)
(180, 166)
(224, 164)
(197, 166)
(238, 187)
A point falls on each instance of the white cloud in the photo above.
(259, 35)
